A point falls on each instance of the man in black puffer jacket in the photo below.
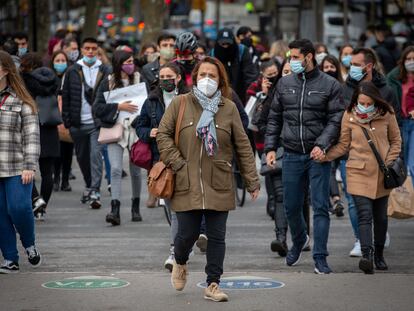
(305, 118)
(78, 92)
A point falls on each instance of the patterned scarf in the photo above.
(206, 128)
(363, 117)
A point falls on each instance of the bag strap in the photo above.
(153, 116)
(375, 151)
(180, 119)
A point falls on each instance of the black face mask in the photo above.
(333, 74)
(167, 85)
(247, 41)
(188, 65)
(272, 80)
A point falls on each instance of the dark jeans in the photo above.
(297, 169)
(64, 163)
(188, 232)
(46, 166)
(372, 210)
(333, 184)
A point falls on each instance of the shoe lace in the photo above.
(31, 251)
(214, 288)
(182, 273)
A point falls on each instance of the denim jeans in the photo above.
(88, 154)
(372, 211)
(15, 215)
(188, 232)
(352, 210)
(297, 168)
(408, 139)
(107, 164)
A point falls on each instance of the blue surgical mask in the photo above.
(364, 109)
(60, 67)
(357, 73)
(89, 60)
(296, 66)
(22, 51)
(346, 61)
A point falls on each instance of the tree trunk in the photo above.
(153, 18)
(91, 19)
(42, 28)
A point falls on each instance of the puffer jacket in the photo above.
(306, 112)
(380, 82)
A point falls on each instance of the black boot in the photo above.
(136, 216)
(379, 261)
(113, 217)
(366, 264)
(279, 246)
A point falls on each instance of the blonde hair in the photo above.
(15, 81)
(279, 48)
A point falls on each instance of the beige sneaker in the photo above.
(179, 276)
(214, 293)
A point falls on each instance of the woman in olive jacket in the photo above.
(211, 132)
(365, 179)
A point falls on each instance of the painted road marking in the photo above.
(246, 283)
(87, 282)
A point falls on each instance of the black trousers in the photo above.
(333, 184)
(188, 232)
(64, 163)
(370, 211)
(46, 166)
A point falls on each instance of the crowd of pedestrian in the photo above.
(314, 122)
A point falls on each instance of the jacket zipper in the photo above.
(301, 113)
(201, 178)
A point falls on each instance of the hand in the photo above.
(266, 84)
(271, 158)
(27, 177)
(127, 106)
(411, 113)
(154, 132)
(255, 194)
(317, 154)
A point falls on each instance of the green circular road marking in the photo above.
(87, 282)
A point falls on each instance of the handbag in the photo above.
(395, 173)
(49, 114)
(271, 170)
(141, 154)
(64, 134)
(161, 178)
(401, 201)
(111, 135)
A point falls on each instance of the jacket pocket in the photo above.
(182, 179)
(9, 116)
(355, 164)
(222, 175)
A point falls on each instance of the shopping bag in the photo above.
(401, 201)
(250, 109)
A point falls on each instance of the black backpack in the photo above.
(49, 114)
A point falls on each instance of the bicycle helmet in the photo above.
(186, 42)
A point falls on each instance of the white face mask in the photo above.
(319, 57)
(207, 86)
(409, 66)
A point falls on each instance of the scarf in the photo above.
(362, 117)
(206, 128)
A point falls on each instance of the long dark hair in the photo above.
(403, 71)
(181, 87)
(118, 59)
(223, 84)
(334, 61)
(369, 89)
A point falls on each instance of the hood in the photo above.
(97, 64)
(42, 81)
(390, 43)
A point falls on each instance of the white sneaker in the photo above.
(169, 263)
(356, 251)
(387, 240)
(39, 205)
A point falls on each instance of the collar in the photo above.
(8, 90)
(311, 74)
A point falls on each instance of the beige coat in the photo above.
(363, 173)
(204, 182)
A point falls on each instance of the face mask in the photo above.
(296, 66)
(73, 55)
(151, 57)
(333, 74)
(364, 109)
(128, 68)
(247, 42)
(272, 79)
(357, 73)
(409, 66)
(346, 61)
(60, 67)
(89, 60)
(22, 51)
(167, 53)
(167, 85)
(188, 65)
(207, 86)
(319, 57)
